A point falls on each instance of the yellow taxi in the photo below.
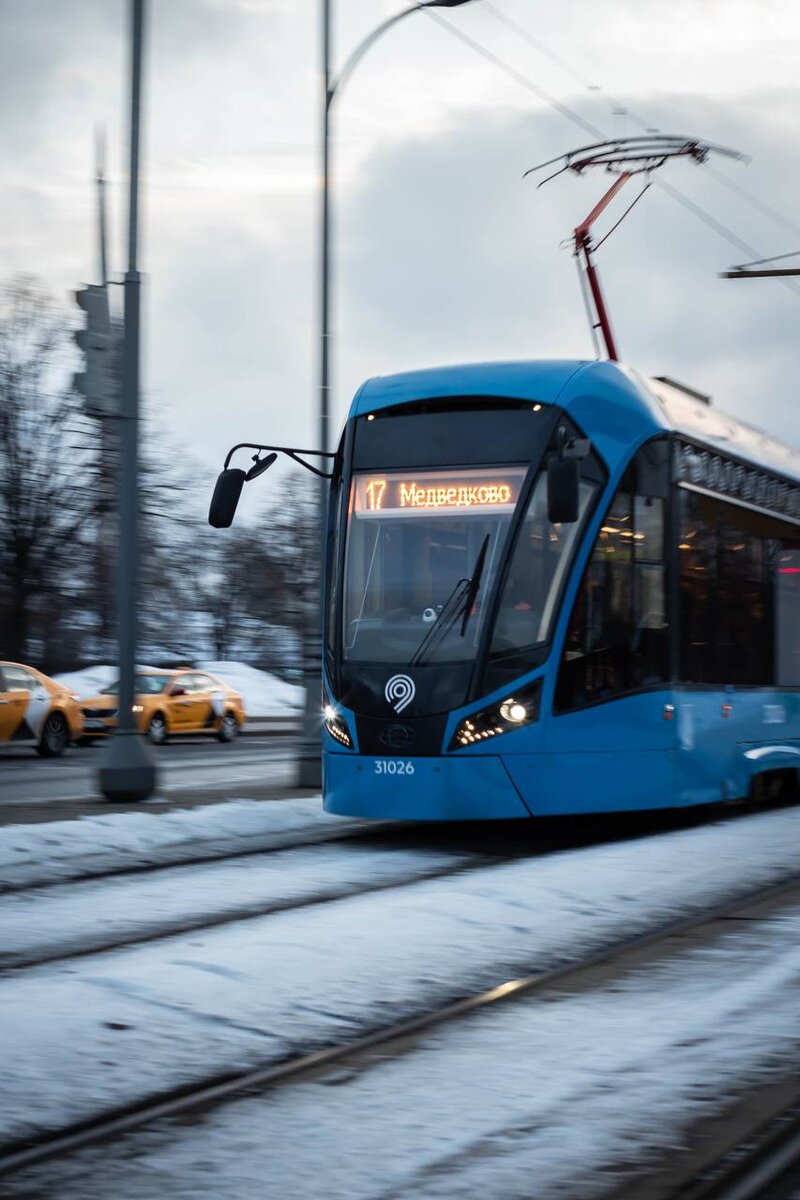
(36, 711)
(169, 702)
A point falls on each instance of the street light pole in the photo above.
(128, 772)
(310, 764)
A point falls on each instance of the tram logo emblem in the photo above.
(397, 737)
(400, 690)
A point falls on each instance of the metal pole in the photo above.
(603, 322)
(100, 152)
(128, 772)
(773, 273)
(309, 766)
(324, 381)
(310, 755)
(108, 438)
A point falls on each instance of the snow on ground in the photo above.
(61, 850)
(111, 1029)
(552, 1096)
(264, 695)
(54, 920)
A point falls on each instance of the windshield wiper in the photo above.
(445, 621)
(458, 604)
(474, 584)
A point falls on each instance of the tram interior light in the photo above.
(521, 708)
(337, 726)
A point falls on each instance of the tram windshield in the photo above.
(424, 549)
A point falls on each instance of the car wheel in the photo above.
(55, 736)
(229, 728)
(157, 730)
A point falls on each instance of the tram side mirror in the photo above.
(226, 496)
(260, 465)
(562, 490)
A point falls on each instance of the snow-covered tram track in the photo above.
(603, 970)
(194, 889)
(109, 861)
(763, 1164)
(59, 923)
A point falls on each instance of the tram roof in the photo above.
(644, 405)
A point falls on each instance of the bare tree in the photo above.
(245, 593)
(254, 583)
(47, 461)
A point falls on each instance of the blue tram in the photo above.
(488, 657)
(554, 587)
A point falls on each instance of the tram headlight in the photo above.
(514, 711)
(336, 726)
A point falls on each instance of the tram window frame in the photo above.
(617, 637)
(503, 664)
(498, 669)
(746, 615)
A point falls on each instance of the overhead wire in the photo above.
(759, 262)
(619, 107)
(514, 74)
(692, 206)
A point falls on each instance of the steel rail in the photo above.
(754, 1164)
(220, 1088)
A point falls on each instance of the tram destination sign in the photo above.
(396, 493)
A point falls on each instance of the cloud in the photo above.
(441, 252)
(447, 254)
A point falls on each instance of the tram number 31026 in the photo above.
(393, 766)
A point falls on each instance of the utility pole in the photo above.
(309, 772)
(128, 771)
(99, 383)
(109, 445)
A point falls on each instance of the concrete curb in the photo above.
(271, 727)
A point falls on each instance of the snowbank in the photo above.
(90, 680)
(264, 695)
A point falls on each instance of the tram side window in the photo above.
(617, 635)
(786, 573)
(739, 615)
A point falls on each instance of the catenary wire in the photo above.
(618, 106)
(692, 206)
(758, 262)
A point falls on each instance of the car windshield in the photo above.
(415, 540)
(145, 685)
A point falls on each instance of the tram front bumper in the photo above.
(469, 788)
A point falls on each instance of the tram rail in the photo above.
(756, 1165)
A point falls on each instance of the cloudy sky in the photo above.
(442, 252)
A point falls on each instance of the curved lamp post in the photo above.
(309, 774)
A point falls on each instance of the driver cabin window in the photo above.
(616, 640)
